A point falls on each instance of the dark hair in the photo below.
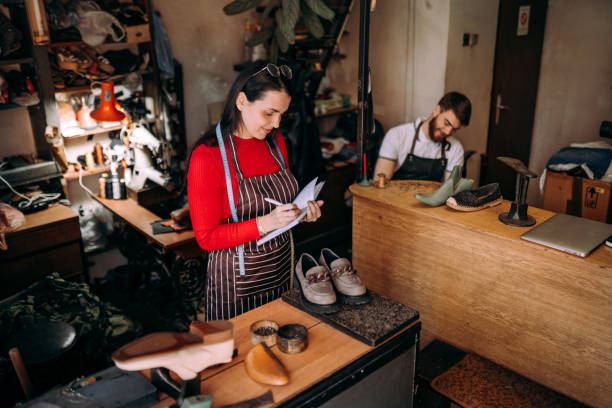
(460, 104)
(254, 87)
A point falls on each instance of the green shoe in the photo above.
(453, 185)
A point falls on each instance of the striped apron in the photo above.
(247, 276)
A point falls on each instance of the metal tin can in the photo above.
(116, 188)
(109, 188)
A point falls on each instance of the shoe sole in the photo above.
(468, 209)
(314, 307)
(354, 300)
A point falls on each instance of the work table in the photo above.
(313, 373)
(540, 312)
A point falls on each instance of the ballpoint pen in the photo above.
(271, 201)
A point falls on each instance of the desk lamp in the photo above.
(107, 112)
(517, 216)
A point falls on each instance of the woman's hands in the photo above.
(279, 217)
(284, 214)
(313, 212)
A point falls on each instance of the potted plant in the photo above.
(279, 19)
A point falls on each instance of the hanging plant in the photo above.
(287, 14)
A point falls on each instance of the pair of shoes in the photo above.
(323, 283)
(474, 200)
(453, 185)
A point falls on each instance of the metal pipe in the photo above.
(362, 82)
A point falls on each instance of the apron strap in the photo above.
(278, 157)
(230, 193)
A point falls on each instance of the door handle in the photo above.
(499, 107)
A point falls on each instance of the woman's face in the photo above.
(261, 116)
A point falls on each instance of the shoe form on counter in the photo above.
(486, 196)
(348, 285)
(453, 185)
(315, 285)
(205, 345)
(262, 365)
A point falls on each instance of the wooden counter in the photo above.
(329, 350)
(540, 312)
(182, 242)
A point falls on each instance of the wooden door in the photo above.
(520, 34)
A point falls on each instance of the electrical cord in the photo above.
(35, 201)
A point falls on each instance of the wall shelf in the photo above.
(336, 111)
(16, 61)
(74, 175)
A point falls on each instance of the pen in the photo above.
(271, 201)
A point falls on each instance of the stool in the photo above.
(38, 344)
(449, 376)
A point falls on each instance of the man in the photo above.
(434, 152)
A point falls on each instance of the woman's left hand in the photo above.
(313, 212)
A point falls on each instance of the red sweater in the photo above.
(207, 192)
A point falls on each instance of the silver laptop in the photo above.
(574, 235)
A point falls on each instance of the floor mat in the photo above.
(475, 382)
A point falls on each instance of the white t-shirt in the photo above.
(398, 141)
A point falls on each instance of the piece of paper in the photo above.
(309, 193)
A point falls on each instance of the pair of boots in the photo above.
(326, 284)
(453, 185)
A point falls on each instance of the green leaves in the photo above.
(239, 6)
(312, 22)
(260, 37)
(287, 13)
(321, 9)
(291, 13)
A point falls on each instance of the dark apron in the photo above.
(247, 276)
(419, 168)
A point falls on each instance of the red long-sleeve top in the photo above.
(207, 192)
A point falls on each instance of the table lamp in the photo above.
(107, 112)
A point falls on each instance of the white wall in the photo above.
(469, 70)
(208, 44)
(575, 89)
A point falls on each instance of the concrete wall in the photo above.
(575, 89)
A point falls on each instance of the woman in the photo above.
(231, 173)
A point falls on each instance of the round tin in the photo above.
(292, 338)
(264, 331)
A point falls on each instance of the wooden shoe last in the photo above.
(264, 367)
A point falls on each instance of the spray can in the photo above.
(122, 189)
(116, 188)
(109, 188)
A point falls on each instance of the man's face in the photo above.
(443, 124)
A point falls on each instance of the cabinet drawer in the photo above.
(19, 273)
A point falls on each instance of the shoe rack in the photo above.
(42, 63)
(31, 60)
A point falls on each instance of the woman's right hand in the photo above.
(279, 217)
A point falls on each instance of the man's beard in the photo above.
(432, 128)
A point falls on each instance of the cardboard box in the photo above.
(561, 193)
(595, 200)
(137, 33)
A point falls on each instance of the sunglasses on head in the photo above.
(275, 71)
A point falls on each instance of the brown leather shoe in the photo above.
(317, 290)
(349, 287)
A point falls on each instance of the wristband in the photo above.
(259, 228)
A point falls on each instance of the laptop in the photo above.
(574, 235)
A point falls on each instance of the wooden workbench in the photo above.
(317, 368)
(540, 312)
(182, 242)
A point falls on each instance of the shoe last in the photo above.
(314, 281)
(341, 271)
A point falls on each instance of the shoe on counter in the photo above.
(474, 200)
(452, 185)
(316, 287)
(349, 286)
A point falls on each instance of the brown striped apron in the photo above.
(265, 273)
